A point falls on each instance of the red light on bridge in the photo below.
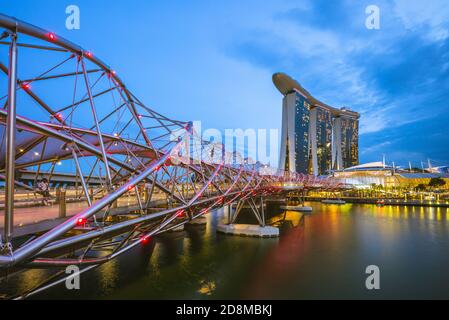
(51, 36)
(58, 116)
(168, 161)
(111, 73)
(81, 221)
(26, 86)
(145, 239)
(130, 188)
(88, 54)
(180, 214)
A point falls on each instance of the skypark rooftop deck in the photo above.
(286, 84)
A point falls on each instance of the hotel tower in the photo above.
(316, 138)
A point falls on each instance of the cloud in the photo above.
(214, 61)
(318, 57)
(429, 17)
(375, 148)
(390, 76)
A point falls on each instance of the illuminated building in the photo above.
(323, 139)
(316, 138)
(377, 173)
(350, 142)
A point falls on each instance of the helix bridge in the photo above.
(62, 109)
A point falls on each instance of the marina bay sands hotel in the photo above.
(316, 138)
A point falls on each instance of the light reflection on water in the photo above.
(323, 255)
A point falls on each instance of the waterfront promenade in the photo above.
(31, 217)
(392, 202)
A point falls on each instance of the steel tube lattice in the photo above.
(10, 138)
(101, 128)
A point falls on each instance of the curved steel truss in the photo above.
(74, 114)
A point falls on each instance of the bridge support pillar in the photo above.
(228, 213)
(256, 208)
(58, 195)
(248, 230)
(296, 197)
(262, 211)
(62, 203)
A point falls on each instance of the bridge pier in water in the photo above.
(255, 206)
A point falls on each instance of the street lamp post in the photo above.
(10, 141)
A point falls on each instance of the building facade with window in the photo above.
(378, 173)
(316, 138)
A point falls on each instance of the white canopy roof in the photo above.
(367, 166)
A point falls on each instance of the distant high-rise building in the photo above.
(323, 139)
(350, 142)
(316, 138)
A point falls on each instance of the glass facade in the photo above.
(313, 138)
(350, 142)
(324, 140)
(287, 151)
(302, 120)
(303, 155)
(316, 138)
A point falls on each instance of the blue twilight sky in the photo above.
(213, 60)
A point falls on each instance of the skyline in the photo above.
(236, 47)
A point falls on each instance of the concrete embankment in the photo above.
(388, 202)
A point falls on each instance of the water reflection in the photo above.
(319, 255)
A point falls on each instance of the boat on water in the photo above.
(380, 202)
(333, 201)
